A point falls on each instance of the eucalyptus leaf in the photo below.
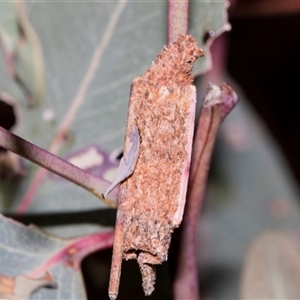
(272, 268)
(208, 20)
(21, 287)
(31, 258)
(22, 50)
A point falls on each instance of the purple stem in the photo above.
(219, 101)
(56, 165)
(178, 19)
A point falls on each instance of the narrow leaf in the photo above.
(128, 161)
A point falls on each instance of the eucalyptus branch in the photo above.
(56, 165)
(178, 19)
(218, 102)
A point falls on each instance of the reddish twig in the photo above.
(56, 165)
(178, 17)
(219, 101)
(75, 251)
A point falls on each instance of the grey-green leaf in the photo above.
(28, 256)
(21, 287)
(208, 20)
(22, 50)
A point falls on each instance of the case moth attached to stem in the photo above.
(151, 200)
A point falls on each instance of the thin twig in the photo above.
(75, 251)
(178, 18)
(56, 165)
(219, 101)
